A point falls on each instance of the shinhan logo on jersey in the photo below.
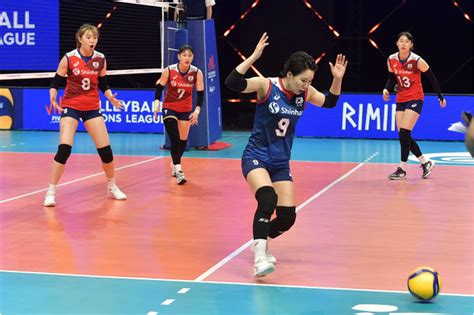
(173, 83)
(273, 108)
(76, 71)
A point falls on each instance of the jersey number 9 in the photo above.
(283, 125)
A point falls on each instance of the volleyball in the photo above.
(424, 283)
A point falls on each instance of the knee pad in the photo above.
(404, 134)
(105, 154)
(64, 151)
(286, 217)
(267, 199)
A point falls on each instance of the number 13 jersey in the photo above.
(82, 91)
(274, 125)
(408, 77)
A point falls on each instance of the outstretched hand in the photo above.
(339, 68)
(262, 43)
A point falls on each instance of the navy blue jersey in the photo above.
(273, 131)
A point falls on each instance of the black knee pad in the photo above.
(106, 154)
(404, 134)
(286, 217)
(267, 199)
(64, 151)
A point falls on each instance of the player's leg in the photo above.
(400, 172)
(183, 127)
(67, 130)
(171, 125)
(96, 128)
(260, 184)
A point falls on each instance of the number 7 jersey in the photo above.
(82, 91)
(408, 77)
(179, 94)
(273, 131)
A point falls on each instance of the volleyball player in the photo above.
(405, 68)
(86, 71)
(265, 160)
(178, 115)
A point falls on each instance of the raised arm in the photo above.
(330, 100)
(236, 80)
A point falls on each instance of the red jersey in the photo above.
(179, 94)
(408, 77)
(82, 91)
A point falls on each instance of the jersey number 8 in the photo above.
(86, 84)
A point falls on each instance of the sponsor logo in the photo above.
(276, 97)
(190, 78)
(76, 64)
(255, 162)
(273, 107)
(173, 83)
(413, 105)
(95, 64)
(76, 71)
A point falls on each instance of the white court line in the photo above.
(247, 244)
(79, 179)
(220, 282)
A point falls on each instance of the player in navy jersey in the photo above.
(178, 116)
(405, 68)
(86, 71)
(265, 161)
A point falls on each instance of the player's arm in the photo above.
(236, 80)
(58, 81)
(330, 100)
(319, 99)
(105, 88)
(194, 116)
(425, 68)
(200, 91)
(390, 84)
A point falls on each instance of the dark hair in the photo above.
(299, 62)
(407, 34)
(184, 48)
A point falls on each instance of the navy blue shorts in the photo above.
(83, 115)
(416, 106)
(280, 172)
(178, 115)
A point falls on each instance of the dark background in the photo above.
(443, 37)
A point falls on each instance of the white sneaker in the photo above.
(173, 172)
(49, 200)
(116, 193)
(262, 267)
(180, 179)
(271, 259)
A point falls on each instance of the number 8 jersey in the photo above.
(82, 91)
(273, 131)
(408, 77)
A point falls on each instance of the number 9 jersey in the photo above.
(408, 77)
(273, 131)
(82, 91)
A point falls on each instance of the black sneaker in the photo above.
(427, 167)
(398, 174)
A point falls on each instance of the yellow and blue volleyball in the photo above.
(424, 283)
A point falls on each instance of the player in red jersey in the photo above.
(86, 73)
(405, 69)
(178, 115)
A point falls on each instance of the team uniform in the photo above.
(409, 89)
(272, 136)
(178, 98)
(81, 96)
